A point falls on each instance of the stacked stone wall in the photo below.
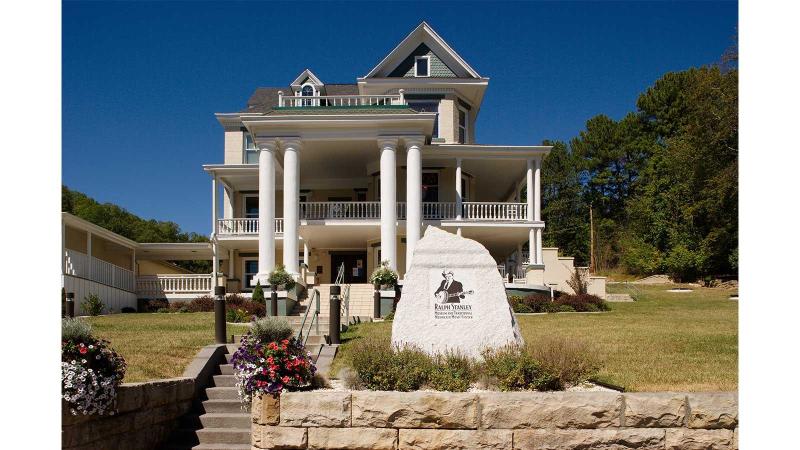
(496, 420)
(146, 415)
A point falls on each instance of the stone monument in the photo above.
(453, 299)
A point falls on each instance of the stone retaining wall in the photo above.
(146, 414)
(496, 420)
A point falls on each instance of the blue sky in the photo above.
(141, 81)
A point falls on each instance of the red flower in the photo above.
(83, 350)
(285, 379)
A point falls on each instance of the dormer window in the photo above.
(307, 91)
(422, 66)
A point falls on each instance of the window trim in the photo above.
(244, 205)
(245, 150)
(466, 125)
(244, 261)
(427, 58)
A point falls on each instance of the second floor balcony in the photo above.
(490, 212)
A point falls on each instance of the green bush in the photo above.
(76, 330)
(452, 372)
(271, 329)
(92, 305)
(235, 315)
(566, 308)
(258, 294)
(280, 276)
(570, 361)
(515, 369)
(204, 303)
(373, 361)
(162, 310)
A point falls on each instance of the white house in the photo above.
(331, 179)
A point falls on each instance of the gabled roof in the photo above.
(306, 75)
(423, 34)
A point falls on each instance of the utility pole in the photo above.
(591, 240)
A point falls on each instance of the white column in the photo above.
(133, 261)
(266, 211)
(214, 206)
(231, 265)
(532, 252)
(214, 265)
(291, 207)
(305, 254)
(388, 150)
(90, 259)
(529, 190)
(539, 258)
(413, 195)
(63, 247)
(459, 194)
(537, 191)
(227, 202)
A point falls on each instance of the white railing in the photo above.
(340, 210)
(494, 211)
(242, 226)
(82, 265)
(438, 210)
(157, 286)
(341, 100)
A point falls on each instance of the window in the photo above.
(421, 66)
(462, 126)
(427, 106)
(464, 189)
(250, 150)
(251, 206)
(307, 91)
(249, 271)
(430, 186)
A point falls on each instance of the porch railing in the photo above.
(494, 211)
(243, 226)
(161, 285)
(84, 266)
(340, 100)
(340, 210)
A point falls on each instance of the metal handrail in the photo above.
(314, 319)
(345, 295)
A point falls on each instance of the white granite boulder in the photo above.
(453, 299)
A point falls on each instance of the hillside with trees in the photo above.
(129, 225)
(662, 182)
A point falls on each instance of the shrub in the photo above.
(384, 275)
(515, 369)
(582, 303)
(578, 281)
(566, 308)
(128, 309)
(280, 276)
(92, 305)
(258, 294)
(76, 330)
(177, 306)
(203, 303)
(162, 310)
(372, 361)
(155, 304)
(90, 370)
(522, 308)
(234, 315)
(271, 329)
(267, 366)
(452, 372)
(570, 361)
(411, 368)
(235, 300)
(254, 309)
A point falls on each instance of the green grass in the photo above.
(664, 342)
(156, 345)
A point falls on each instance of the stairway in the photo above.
(218, 421)
(361, 301)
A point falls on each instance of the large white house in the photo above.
(329, 174)
(331, 179)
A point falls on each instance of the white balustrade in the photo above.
(156, 286)
(82, 265)
(340, 210)
(341, 100)
(243, 226)
(495, 211)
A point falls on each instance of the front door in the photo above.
(355, 266)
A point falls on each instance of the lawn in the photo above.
(156, 345)
(663, 342)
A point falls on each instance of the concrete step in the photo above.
(223, 406)
(225, 420)
(222, 393)
(226, 369)
(224, 380)
(224, 435)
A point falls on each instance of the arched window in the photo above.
(307, 91)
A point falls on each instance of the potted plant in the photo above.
(281, 278)
(384, 276)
